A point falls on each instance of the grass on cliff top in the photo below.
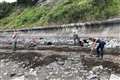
(65, 11)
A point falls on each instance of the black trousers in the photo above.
(14, 45)
(100, 51)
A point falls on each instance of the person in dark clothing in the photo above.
(100, 48)
(81, 43)
(76, 38)
(85, 41)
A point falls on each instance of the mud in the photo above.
(115, 67)
(33, 60)
(30, 60)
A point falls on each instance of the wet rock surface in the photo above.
(56, 66)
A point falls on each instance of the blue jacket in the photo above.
(101, 43)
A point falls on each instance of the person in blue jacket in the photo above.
(100, 48)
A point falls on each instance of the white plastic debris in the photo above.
(114, 77)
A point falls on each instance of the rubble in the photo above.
(70, 66)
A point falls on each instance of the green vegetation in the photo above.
(5, 9)
(62, 11)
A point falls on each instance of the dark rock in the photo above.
(12, 75)
(49, 43)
